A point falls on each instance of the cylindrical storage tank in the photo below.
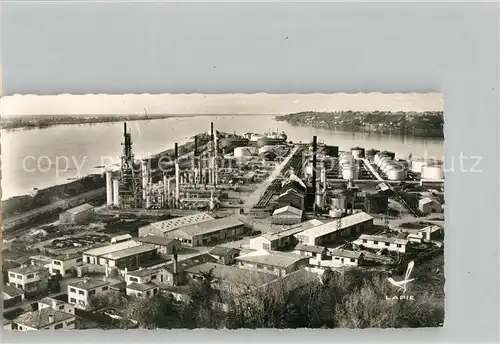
(339, 202)
(116, 190)
(396, 174)
(358, 152)
(336, 213)
(349, 171)
(242, 152)
(417, 164)
(370, 154)
(269, 141)
(432, 172)
(320, 200)
(109, 189)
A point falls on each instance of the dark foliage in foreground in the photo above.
(354, 299)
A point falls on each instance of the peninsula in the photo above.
(425, 124)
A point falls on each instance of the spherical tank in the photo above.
(432, 173)
(416, 165)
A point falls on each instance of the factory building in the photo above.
(162, 227)
(428, 206)
(93, 256)
(273, 262)
(287, 215)
(208, 232)
(76, 215)
(131, 258)
(326, 233)
(380, 242)
(164, 245)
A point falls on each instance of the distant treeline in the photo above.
(44, 121)
(427, 124)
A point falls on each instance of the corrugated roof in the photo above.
(293, 230)
(289, 209)
(129, 251)
(211, 226)
(40, 318)
(99, 251)
(274, 258)
(310, 248)
(332, 227)
(170, 225)
(383, 239)
(79, 209)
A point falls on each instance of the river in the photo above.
(39, 158)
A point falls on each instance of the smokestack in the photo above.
(314, 149)
(175, 268)
(195, 152)
(177, 176)
(212, 131)
(176, 152)
(124, 129)
(116, 195)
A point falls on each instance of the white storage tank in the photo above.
(336, 213)
(116, 190)
(320, 200)
(357, 152)
(240, 152)
(417, 164)
(396, 174)
(435, 172)
(350, 171)
(265, 149)
(109, 189)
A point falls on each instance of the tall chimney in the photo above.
(165, 191)
(175, 268)
(124, 129)
(314, 149)
(109, 189)
(195, 152)
(177, 172)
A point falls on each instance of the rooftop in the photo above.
(427, 200)
(290, 282)
(286, 209)
(332, 226)
(211, 226)
(80, 208)
(294, 229)
(233, 274)
(89, 284)
(99, 251)
(12, 291)
(170, 225)
(122, 237)
(51, 301)
(383, 239)
(193, 261)
(69, 256)
(271, 258)
(156, 240)
(142, 272)
(28, 269)
(142, 286)
(292, 191)
(346, 253)
(130, 251)
(222, 251)
(41, 318)
(310, 248)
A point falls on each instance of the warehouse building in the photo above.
(162, 227)
(93, 256)
(273, 262)
(131, 258)
(76, 215)
(428, 206)
(317, 252)
(287, 215)
(327, 233)
(164, 245)
(377, 242)
(208, 232)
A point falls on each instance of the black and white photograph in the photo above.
(223, 211)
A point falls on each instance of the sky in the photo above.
(221, 104)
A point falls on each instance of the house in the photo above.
(44, 319)
(40, 260)
(162, 227)
(29, 278)
(317, 252)
(11, 295)
(274, 262)
(347, 257)
(174, 272)
(224, 255)
(55, 304)
(287, 215)
(93, 256)
(381, 242)
(327, 233)
(77, 215)
(142, 290)
(163, 245)
(428, 206)
(64, 264)
(281, 239)
(80, 292)
(208, 232)
(141, 276)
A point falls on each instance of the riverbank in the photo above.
(424, 124)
